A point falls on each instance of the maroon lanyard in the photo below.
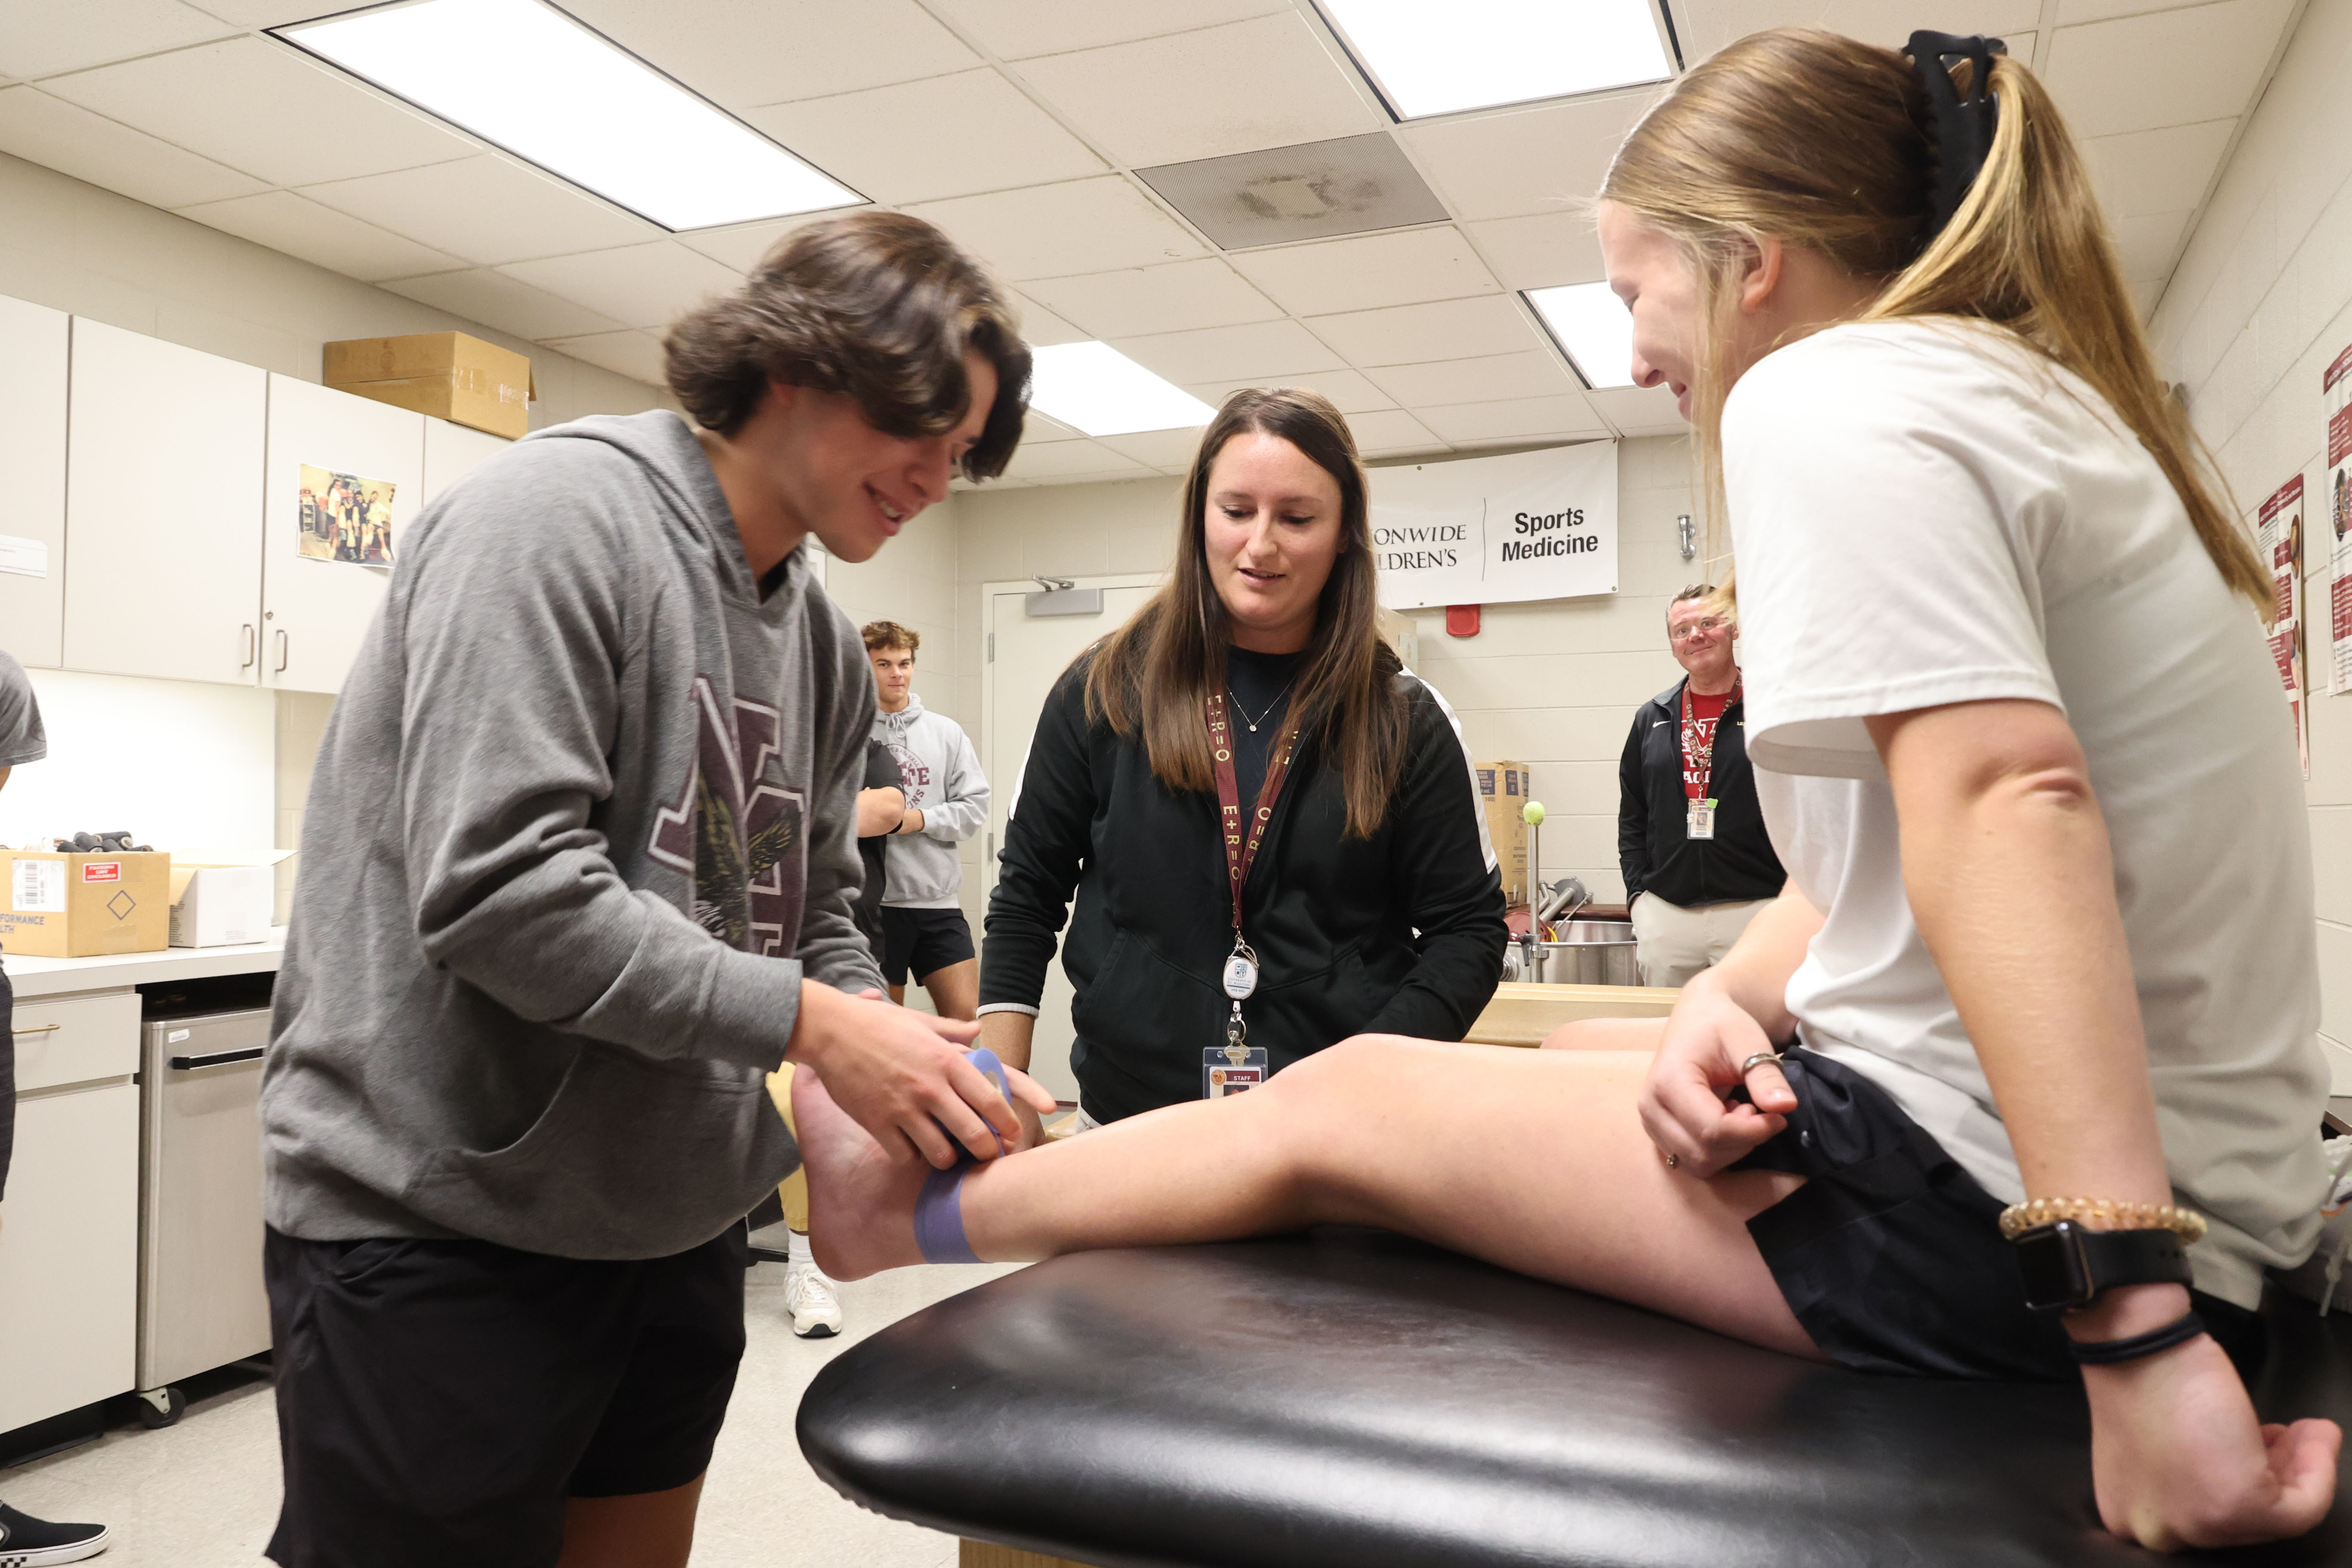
(1704, 761)
(1241, 851)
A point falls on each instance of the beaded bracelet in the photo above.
(2107, 1214)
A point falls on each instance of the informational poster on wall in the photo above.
(2336, 386)
(2278, 538)
(345, 518)
(1497, 530)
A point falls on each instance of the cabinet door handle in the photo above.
(281, 653)
(37, 1029)
(252, 647)
(218, 1059)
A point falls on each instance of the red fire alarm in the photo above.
(1461, 620)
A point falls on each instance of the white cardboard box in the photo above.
(221, 898)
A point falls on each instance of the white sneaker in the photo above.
(810, 1297)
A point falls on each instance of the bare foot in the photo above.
(861, 1202)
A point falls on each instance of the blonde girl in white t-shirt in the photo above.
(2006, 690)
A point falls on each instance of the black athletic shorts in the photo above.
(925, 941)
(437, 1401)
(1890, 1254)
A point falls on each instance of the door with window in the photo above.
(1026, 654)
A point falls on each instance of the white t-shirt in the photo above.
(1923, 513)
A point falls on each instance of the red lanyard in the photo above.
(1698, 761)
(1241, 851)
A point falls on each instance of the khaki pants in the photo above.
(1676, 943)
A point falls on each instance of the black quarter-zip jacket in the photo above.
(1737, 864)
(1402, 932)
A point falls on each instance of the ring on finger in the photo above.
(1758, 1059)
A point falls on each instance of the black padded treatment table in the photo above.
(1351, 1399)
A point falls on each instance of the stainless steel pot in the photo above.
(1592, 952)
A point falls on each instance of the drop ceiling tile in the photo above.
(1541, 249)
(1348, 390)
(487, 210)
(2169, 68)
(1051, 231)
(637, 355)
(1639, 410)
(497, 300)
(262, 108)
(2148, 244)
(71, 140)
(1520, 419)
(1039, 430)
(1536, 373)
(300, 226)
(742, 53)
(1416, 334)
(1266, 82)
(1365, 272)
(2158, 171)
(641, 285)
(1707, 26)
(1040, 328)
(42, 37)
(1216, 353)
(1066, 459)
(1016, 29)
(1391, 430)
(948, 136)
(741, 246)
(1178, 297)
(1170, 451)
(261, 13)
(1541, 159)
(2073, 11)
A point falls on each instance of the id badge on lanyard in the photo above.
(1698, 820)
(1236, 1065)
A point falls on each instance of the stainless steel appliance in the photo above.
(1592, 952)
(200, 1303)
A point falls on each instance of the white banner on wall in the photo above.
(1497, 530)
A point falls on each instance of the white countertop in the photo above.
(57, 976)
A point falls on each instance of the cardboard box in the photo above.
(75, 906)
(1504, 790)
(218, 897)
(447, 374)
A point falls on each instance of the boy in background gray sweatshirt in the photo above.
(578, 872)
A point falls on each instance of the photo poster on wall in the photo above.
(2336, 387)
(2278, 538)
(343, 517)
(1497, 530)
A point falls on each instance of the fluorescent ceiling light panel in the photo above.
(528, 78)
(1095, 388)
(1474, 54)
(1592, 326)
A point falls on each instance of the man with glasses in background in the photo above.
(1690, 836)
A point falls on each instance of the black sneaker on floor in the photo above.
(29, 1542)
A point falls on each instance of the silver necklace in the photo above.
(1270, 707)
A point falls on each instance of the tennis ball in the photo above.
(1532, 813)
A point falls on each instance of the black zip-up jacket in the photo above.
(1401, 933)
(1737, 864)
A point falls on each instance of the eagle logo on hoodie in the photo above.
(736, 829)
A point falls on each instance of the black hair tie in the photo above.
(1963, 126)
(2107, 1353)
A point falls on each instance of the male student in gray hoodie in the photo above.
(923, 929)
(578, 870)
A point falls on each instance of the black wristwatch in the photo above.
(2066, 1266)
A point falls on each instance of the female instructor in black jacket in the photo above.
(1367, 898)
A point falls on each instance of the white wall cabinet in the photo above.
(162, 507)
(452, 451)
(32, 482)
(316, 612)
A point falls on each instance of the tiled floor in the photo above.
(203, 1494)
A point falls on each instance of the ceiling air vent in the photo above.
(1312, 191)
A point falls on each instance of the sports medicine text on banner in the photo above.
(1495, 530)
